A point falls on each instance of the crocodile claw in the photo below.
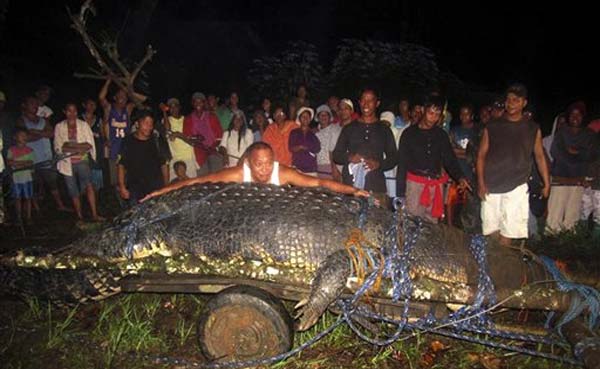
(307, 316)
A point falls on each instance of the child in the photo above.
(20, 156)
(180, 168)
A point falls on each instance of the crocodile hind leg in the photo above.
(327, 286)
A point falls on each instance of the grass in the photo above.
(58, 331)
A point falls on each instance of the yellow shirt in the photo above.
(180, 150)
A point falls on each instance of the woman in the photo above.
(304, 144)
(235, 140)
(259, 125)
(74, 137)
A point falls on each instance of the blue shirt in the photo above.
(118, 128)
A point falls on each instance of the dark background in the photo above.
(210, 45)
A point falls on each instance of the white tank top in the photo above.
(274, 176)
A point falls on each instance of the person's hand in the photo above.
(361, 193)
(463, 185)
(372, 164)
(482, 191)
(153, 194)
(354, 158)
(124, 192)
(298, 148)
(336, 175)
(546, 191)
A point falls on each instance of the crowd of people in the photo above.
(490, 172)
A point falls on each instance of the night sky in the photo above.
(209, 45)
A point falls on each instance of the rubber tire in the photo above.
(264, 330)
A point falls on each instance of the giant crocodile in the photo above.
(296, 236)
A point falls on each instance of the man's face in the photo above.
(175, 109)
(21, 137)
(345, 112)
(71, 112)
(90, 106)
(416, 113)
(30, 106)
(302, 91)
(234, 99)
(431, 116)
(261, 165)
(404, 106)
(368, 103)
(466, 116)
(259, 119)
(212, 102)
(575, 118)
(121, 97)
(324, 118)
(515, 104)
(43, 95)
(198, 105)
(146, 126)
(180, 171)
(2, 103)
(485, 114)
(266, 105)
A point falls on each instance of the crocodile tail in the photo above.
(60, 286)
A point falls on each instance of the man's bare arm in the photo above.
(542, 164)
(484, 146)
(291, 176)
(233, 174)
(103, 94)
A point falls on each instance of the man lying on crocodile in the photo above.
(259, 166)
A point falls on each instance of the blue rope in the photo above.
(584, 297)
(472, 319)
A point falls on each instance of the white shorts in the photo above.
(506, 212)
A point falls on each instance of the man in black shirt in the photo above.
(366, 145)
(423, 150)
(142, 166)
(505, 158)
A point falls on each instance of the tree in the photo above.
(106, 55)
(392, 68)
(279, 76)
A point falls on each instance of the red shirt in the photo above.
(189, 129)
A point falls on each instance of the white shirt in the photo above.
(247, 176)
(230, 143)
(328, 137)
(61, 135)
(44, 111)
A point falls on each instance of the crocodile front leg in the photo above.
(327, 286)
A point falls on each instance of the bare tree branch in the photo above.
(90, 76)
(107, 54)
(147, 57)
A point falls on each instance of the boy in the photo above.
(180, 168)
(21, 156)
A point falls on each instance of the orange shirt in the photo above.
(278, 139)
